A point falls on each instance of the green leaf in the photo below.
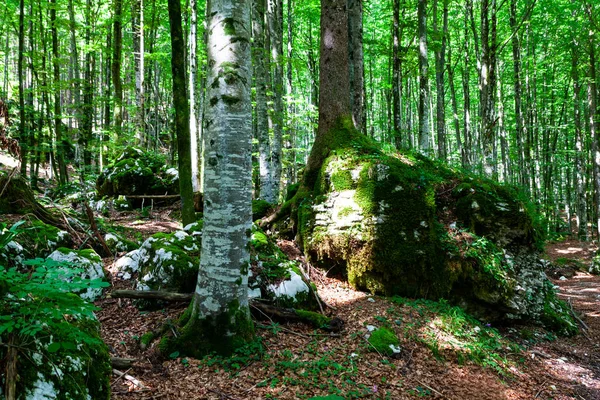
(68, 346)
(53, 347)
(174, 354)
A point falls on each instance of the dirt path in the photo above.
(296, 364)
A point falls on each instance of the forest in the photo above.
(299, 199)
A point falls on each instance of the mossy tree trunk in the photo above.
(334, 83)
(219, 318)
(182, 114)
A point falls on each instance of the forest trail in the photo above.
(298, 362)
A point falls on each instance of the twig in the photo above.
(130, 378)
(583, 324)
(12, 173)
(541, 389)
(120, 376)
(374, 348)
(432, 389)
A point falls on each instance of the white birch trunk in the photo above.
(223, 274)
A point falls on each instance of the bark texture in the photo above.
(182, 114)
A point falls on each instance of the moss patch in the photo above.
(383, 339)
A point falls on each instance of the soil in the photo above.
(299, 362)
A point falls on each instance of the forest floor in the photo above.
(294, 361)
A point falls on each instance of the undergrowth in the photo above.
(447, 329)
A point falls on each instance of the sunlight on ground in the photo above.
(570, 250)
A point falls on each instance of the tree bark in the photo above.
(356, 63)
(58, 126)
(23, 137)
(424, 126)
(182, 114)
(137, 19)
(334, 83)
(261, 76)
(440, 61)
(275, 25)
(396, 75)
(116, 65)
(220, 302)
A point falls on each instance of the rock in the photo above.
(167, 262)
(136, 172)
(88, 261)
(34, 239)
(79, 370)
(406, 225)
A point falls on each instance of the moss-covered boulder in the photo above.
(275, 277)
(55, 367)
(169, 262)
(401, 224)
(34, 239)
(87, 261)
(137, 172)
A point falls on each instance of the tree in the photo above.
(116, 65)
(356, 63)
(182, 114)
(334, 84)
(261, 76)
(424, 126)
(219, 318)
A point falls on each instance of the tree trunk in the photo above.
(275, 19)
(440, 56)
(58, 127)
(86, 132)
(261, 76)
(593, 118)
(182, 114)
(580, 155)
(137, 20)
(520, 128)
(116, 66)
(334, 83)
(424, 126)
(356, 66)
(455, 119)
(194, 96)
(23, 139)
(487, 82)
(219, 316)
(396, 75)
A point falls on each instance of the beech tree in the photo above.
(219, 317)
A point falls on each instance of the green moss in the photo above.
(316, 319)
(229, 26)
(382, 339)
(342, 180)
(260, 208)
(291, 191)
(221, 334)
(146, 339)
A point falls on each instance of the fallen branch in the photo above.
(122, 363)
(134, 381)
(150, 295)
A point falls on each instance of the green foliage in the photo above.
(42, 314)
(449, 329)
